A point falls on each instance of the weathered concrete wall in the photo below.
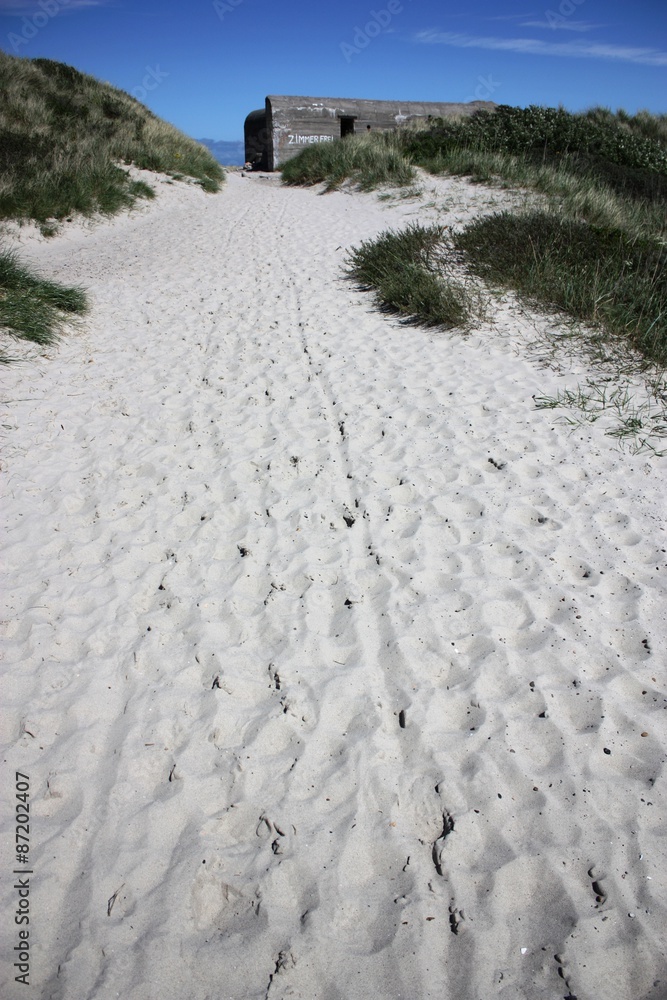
(292, 123)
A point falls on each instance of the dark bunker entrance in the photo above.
(347, 125)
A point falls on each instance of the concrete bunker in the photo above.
(286, 125)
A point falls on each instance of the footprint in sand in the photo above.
(216, 904)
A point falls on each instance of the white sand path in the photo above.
(324, 649)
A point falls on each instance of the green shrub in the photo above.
(542, 134)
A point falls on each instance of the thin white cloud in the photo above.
(507, 17)
(19, 7)
(537, 47)
(488, 17)
(561, 25)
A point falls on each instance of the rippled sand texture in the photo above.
(338, 669)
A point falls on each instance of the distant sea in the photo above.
(229, 154)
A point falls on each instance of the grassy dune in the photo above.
(597, 251)
(66, 140)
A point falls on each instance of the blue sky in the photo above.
(204, 64)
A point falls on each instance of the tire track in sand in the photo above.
(391, 795)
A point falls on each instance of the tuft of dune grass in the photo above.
(407, 271)
(369, 161)
(31, 307)
(597, 274)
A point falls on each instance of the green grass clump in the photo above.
(33, 308)
(407, 272)
(367, 160)
(66, 137)
(581, 197)
(600, 275)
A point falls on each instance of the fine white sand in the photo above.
(337, 668)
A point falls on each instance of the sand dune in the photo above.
(337, 669)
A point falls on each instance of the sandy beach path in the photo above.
(338, 669)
